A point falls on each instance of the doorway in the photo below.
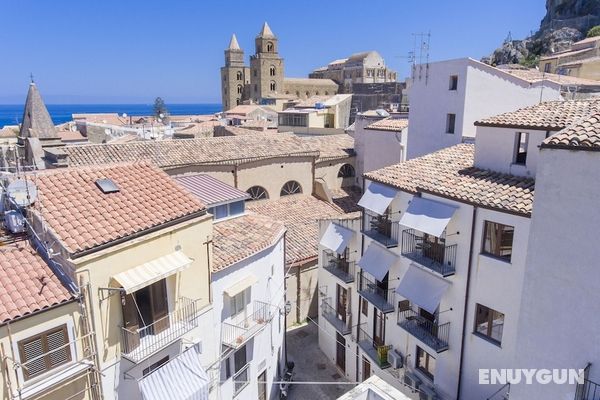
(340, 354)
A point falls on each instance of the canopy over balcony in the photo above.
(377, 197)
(422, 288)
(336, 238)
(377, 261)
(427, 216)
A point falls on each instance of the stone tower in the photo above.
(235, 76)
(266, 66)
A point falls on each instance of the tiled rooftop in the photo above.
(173, 153)
(533, 75)
(241, 237)
(82, 217)
(27, 284)
(450, 173)
(389, 124)
(209, 190)
(583, 135)
(331, 147)
(300, 214)
(551, 115)
(347, 198)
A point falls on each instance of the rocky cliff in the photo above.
(565, 22)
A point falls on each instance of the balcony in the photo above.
(341, 320)
(143, 342)
(235, 333)
(340, 267)
(435, 256)
(240, 380)
(377, 351)
(382, 229)
(432, 334)
(587, 390)
(377, 295)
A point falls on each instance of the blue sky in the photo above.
(126, 51)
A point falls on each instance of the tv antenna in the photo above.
(420, 56)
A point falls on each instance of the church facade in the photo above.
(264, 79)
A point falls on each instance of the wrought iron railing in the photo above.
(382, 229)
(379, 296)
(437, 257)
(340, 267)
(341, 318)
(141, 343)
(432, 334)
(235, 333)
(240, 380)
(375, 349)
(587, 390)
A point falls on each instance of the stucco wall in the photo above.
(328, 172)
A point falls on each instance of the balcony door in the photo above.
(378, 328)
(342, 302)
(342, 261)
(147, 309)
(340, 354)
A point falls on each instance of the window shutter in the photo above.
(30, 349)
(56, 340)
(45, 351)
(160, 306)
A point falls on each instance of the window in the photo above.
(155, 366)
(366, 368)
(236, 208)
(453, 82)
(220, 211)
(254, 72)
(272, 86)
(403, 305)
(227, 210)
(290, 119)
(425, 363)
(272, 70)
(498, 240)
(237, 102)
(547, 67)
(239, 89)
(489, 323)
(290, 187)
(364, 307)
(257, 193)
(238, 303)
(45, 351)
(450, 122)
(521, 141)
(346, 171)
(270, 47)
(239, 76)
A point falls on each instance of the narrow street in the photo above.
(312, 366)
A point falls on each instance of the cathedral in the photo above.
(264, 80)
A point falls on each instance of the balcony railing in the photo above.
(235, 333)
(375, 349)
(339, 267)
(380, 297)
(143, 342)
(430, 333)
(240, 380)
(382, 229)
(340, 319)
(587, 390)
(436, 256)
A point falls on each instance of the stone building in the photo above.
(264, 79)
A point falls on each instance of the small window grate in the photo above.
(107, 186)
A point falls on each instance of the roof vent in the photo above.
(107, 186)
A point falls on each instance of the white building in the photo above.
(318, 115)
(432, 277)
(247, 291)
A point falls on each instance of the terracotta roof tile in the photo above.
(83, 217)
(241, 237)
(331, 147)
(27, 284)
(551, 115)
(450, 173)
(389, 124)
(583, 135)
(300, 214)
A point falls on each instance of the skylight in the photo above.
(107, 186)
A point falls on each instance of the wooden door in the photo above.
(366, 369)
(342, 302)
(262, 385)
(378, 328)
(160, 306)
(340, 354)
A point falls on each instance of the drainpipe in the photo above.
(285, 350)
(464, 334)
(360, 299)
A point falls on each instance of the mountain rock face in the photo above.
(565, 22)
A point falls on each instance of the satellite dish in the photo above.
(22, 192)
(107, 131)
(124, 115)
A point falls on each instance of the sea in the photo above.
(12, 114)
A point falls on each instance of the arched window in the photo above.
(239, 75)
(272, 70)
(326, 93)
(307, 93)
(237, 102)
(346, 171)
(273, 86)
(269, 47)
(239, 89)
(257, 193)
(287, 92)
(297, 93)
(290, 187)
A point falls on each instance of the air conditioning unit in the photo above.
(14, 221)
(411, 380)
(395, 358)
(427, 393)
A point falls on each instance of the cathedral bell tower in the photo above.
(234, 76)
(266, 66)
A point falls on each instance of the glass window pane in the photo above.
(481, 319)
(236, 208)
(221, 211)
(497, 326)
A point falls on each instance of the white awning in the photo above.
(377, 197)
(377, 261)
(181, 378)
(153, 271)
(240, 286)
(336, 238)
(427, 216)
(422, 288)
